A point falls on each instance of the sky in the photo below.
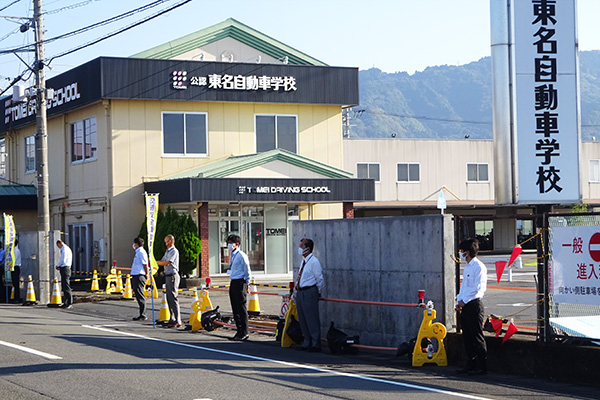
(392, 35)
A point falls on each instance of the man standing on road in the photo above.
(470, 308)
(308, 286)
(139, 274)
(239, 272)
(171, 263)
(64, 267)
(14, 266)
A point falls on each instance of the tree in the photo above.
(183, 228)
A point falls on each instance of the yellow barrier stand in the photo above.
(430, 331)
(286, 341)
(154, 290)
(111, 281)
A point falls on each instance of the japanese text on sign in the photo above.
(180, 80)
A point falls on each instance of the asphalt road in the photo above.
(96, 352)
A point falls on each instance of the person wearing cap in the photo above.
(308, 289)
(171, 263)
(470, 308)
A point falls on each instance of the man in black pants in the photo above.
(470, 308)
(239, 268)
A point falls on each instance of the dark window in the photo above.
(367, 171)
(477, 173)
(185, 134)
(276, 132)
(30, 153)
(408, 172)
(84, 140)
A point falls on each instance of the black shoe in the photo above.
(314, 350)
(237, 338)
(477, 371)
(67, 307)
(140, 318)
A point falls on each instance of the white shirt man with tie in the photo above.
(239, 272)
(64, 267)
(308, 287)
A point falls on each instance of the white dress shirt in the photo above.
(139, 260)
(66, 256)
(312, 273)
(474, 281)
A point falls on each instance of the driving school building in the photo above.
(243, 147)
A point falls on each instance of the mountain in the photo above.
(449, 102)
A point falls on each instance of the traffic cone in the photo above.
(30, 299)
(127, 293)
(12, 293)
(253, 306)
(195, 292)
(119, 288)
(56, 299)
(164, 315)
(95, 283)
(194, 313)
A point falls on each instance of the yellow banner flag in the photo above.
(151, 216)
(10, 234)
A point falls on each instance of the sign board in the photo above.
(547, 101)
(575, 267)
(441, 203)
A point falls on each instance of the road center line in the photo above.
(32, 351)
(290, 364)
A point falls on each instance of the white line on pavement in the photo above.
(289, 364)
(32, 351)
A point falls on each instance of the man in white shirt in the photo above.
(308, 287)
(239, 272)
(470, 308)
(139, 275)
(64, 267)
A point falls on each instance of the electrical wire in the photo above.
(71, 7)
(5, 7)
(126, 28)
(422, 117)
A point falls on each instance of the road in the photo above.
(95, 352)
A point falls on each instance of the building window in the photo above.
(185, 134)
(594, 170)
(409, 172)
(29, 154)
(3, 158)
(276, 132)
(477, 173)
(84, 140)
(367, 171)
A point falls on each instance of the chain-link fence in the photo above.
(573, 276)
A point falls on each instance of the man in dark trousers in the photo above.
(64, 267)
(308, 287)
(15, 270)
(239, 269)
(470, 308)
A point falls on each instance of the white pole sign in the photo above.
(575, 268)
(547, 101)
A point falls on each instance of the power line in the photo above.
(5, 7)
(71, 7)
(120, 30)
(422, 117)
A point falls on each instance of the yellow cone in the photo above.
(127, 293)
(56, 299)
(154, 290)
(95, 283)
(119, 288)
(12, 293)
(194, 314)
(30, 299)
(253, 305)
(165, 314)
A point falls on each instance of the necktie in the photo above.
(300, 273)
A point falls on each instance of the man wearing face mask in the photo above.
(308, 287)
(171, 263)
(139, 274)
(239, 268)
(470, 308)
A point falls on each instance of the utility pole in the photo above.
(41, 156)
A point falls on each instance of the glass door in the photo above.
(253, 237)
(81, 243)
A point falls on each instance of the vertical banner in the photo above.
(10, 233)
(151, 215)
(547, 101)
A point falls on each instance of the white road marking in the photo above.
(294, 365)
(32, 351)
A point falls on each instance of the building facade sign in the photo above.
(575, 265)
(181, 80)
(547, 101)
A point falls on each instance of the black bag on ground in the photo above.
(339, 342)
(294, 331)
(208, 319)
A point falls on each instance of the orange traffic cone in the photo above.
(56, 299)
(30, 299)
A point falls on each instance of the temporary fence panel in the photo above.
(574, 276)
